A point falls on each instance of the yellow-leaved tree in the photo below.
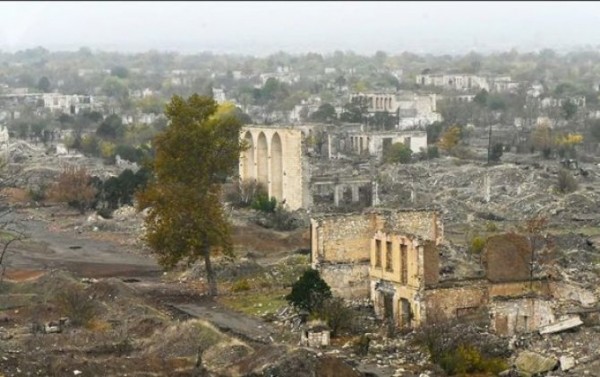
(449, 139)
(567, 143)
(195, 153)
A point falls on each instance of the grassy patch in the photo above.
(256, 303)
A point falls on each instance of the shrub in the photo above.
(74, 187)
(264, 204)
(309, 292)
(37, 193)
(477, 245)
(491, 226)
(245, 192)
(398, 153)
(75, 304)
(566, 182)
(283, 219)
(361, 345)
(454, 349)
(337, 314)
(496, 152)
(240, 286)
(432, 152)
(468, 359)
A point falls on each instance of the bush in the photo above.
(75, 304)
(566, 182)
(361, 345)
(491, 226)
(37, 193)
(309, 292)
(454, 348)
(398, 153)
(337, 314)
(74, 187)
(264, 204)
(240, 286)
(496, 152)
(284, 220)
(477, 245)
(244, 193)
(468, 359)
(432, 152)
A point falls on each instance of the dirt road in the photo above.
(70, 250)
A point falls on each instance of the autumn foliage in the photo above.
(74, 187)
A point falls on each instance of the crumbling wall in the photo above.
(518, 288)
(507, 257)
(454, 302)
(342, 239)
(349, 280)
(509, 317)
(340, 252)
(431, 263)
(421, 223)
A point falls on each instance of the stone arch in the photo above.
(248, 162)
(276, 167)
(262, 160)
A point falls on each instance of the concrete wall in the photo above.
(275, 158)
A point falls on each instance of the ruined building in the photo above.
(392, 257)
(275, 158)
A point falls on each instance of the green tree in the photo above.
(111, 128)
(309, 292)
(496, 152)
(193, 155)
(569, 109)
(115, 87)
(44, 84)
(325, 113)
(398, 153)
(119, 71)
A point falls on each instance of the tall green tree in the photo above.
(198, 149)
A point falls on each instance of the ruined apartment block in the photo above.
(275, 159)
(392, 257)
(342, 244)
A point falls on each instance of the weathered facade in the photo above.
(275, 158)
(342, 245)
(392, 257)
(376, 142)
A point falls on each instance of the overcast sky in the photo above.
(259, 28)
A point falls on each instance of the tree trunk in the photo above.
(210, 274)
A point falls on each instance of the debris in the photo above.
(566, 362)
(562, 325)
(534, 363)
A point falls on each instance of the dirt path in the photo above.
(51, 249)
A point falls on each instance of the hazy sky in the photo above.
(260, 28)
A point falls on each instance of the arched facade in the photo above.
(262, 160)
(274, 158)
(276, 167)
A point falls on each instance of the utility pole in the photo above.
(489, 141)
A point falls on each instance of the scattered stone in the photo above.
(534, 363)
(566, 362)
